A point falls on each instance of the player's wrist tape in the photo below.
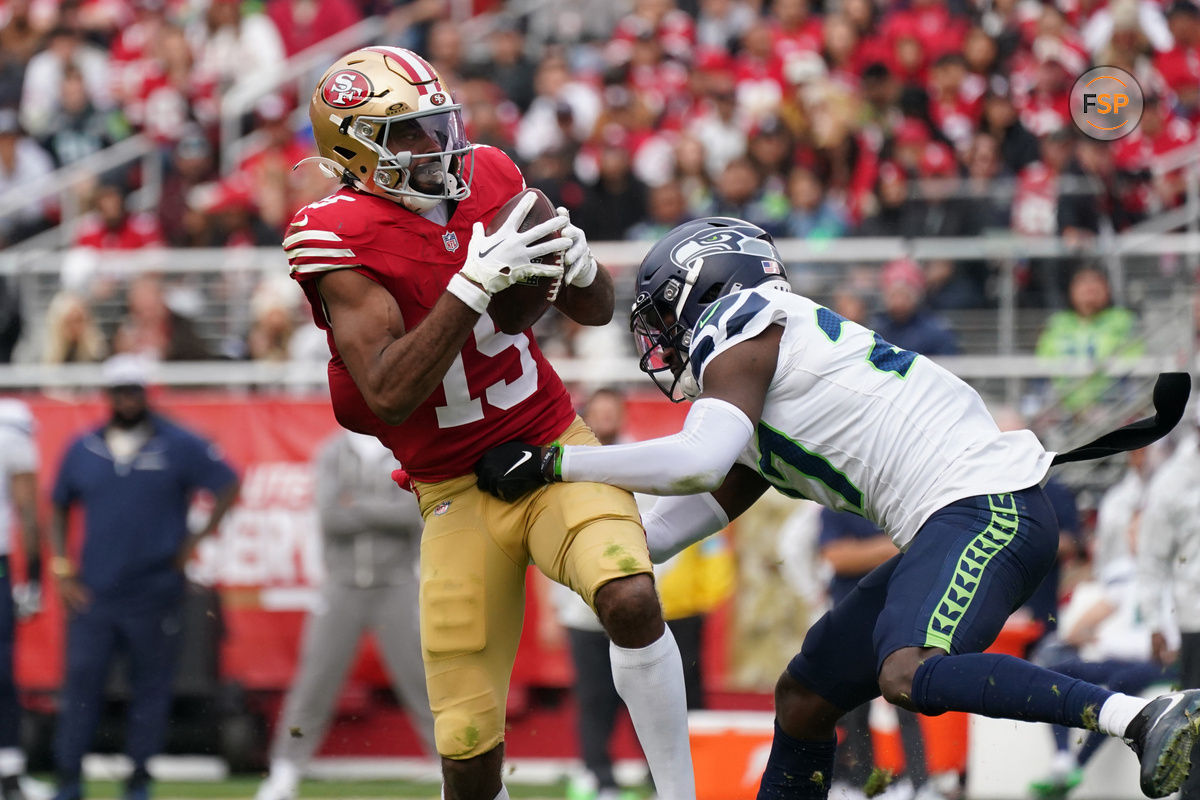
(552, 463)
(587, 274)
(474, 297)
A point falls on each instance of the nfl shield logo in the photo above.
(450, 239)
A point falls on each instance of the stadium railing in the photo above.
(65, 188)
(214, 288)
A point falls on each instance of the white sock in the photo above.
(282, 781)
(1062, 763)
(12, 761)
(1118, 711)
(650, 681)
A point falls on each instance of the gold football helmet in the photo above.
(383, 117)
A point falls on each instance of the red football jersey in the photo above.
(500, 388)
(137, 231)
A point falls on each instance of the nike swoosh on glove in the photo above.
(496, 261)
(578, 261)
(511, 471)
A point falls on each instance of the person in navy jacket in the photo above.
(133, 478)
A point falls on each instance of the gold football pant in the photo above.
(474, 552)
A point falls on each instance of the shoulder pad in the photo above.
(322, 236)
(496, 164)
(729, 321)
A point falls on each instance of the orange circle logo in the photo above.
(1106, 103)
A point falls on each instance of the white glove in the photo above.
(578, 261)
(505, 257)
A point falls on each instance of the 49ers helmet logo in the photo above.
(346, 89)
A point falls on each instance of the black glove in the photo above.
(511, 471)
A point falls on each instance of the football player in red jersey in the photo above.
(400, 273)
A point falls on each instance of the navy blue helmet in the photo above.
(689, 269)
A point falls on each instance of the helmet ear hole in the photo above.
(344, 152)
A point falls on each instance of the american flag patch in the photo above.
(771, 268)
(450, 239)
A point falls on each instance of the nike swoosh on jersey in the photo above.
(301, 222)
(525, 456)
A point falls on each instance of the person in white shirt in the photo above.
(1169, 562)
(18, 511)
(788, 394)
(1102, 636)
(1118, 510)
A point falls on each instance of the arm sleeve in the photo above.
(689, 462)
(674, 523)
(347, 509)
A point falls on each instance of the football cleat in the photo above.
(1056, 787)
(1162, 734)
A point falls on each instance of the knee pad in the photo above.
(467, 648)
(468, 715)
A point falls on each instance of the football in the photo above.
(519, 306)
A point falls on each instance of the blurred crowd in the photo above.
(815, 119)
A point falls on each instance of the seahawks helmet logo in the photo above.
(724, 241)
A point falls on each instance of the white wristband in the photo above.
(474, 297)
(586, 275)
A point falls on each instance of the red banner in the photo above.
(266, 557)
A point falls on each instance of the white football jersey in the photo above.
(859, 425)
(18, 454)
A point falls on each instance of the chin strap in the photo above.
(328, 166)
(689, 385)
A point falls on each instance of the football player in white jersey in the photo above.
(786, 393)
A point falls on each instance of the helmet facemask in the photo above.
(423, 157)
(663, 342)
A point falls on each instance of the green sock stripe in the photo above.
(973, 560)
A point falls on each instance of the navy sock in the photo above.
(1090, 745)
(797, 770)
(1005, 687)
(1062, 738)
